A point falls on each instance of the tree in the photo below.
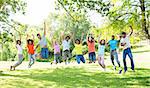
(8, 7)
(136, 11)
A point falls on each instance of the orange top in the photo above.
(30, 48)
(91, 47)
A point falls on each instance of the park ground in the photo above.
(45, 75)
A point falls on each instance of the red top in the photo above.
(91, 47)
(30, 48)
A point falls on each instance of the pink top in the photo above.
(56, 48)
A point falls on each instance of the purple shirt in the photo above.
(56, 48)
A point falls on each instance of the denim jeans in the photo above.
(80, 58)
(114, 55)
(92, 56)
(129, 53)
(44, 53)
(32, 59)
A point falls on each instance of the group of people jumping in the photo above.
(78, 49)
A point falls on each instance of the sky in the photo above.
(38, 10)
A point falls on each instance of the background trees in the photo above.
(119, 12)
(74, 19)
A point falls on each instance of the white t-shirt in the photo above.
(43, 42)
(126, 40)
(20, 50)
(66, 45)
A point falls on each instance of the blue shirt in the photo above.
(101, 49)
(113, 44)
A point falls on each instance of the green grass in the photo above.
(87, 76)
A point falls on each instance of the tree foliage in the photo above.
(134, 12)
(8, 7)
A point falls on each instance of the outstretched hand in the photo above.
(131, 30)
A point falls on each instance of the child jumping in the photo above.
(19, 53)
(101, 53)
(125, 42)
(78, 50)
(31, 51)
(57, 54)
(91, 48)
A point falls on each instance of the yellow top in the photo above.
(78, 49)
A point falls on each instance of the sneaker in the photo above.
(114, 67)
(11, 68)
(133, 70)
(125, 71)
(29, 66)
(66, 63)
(104, 69)
(120, 71)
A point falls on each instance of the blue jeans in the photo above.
(92, 56)
(114, 55)
(32, 59)
(44, 53)
(129, 53)
(80, 58)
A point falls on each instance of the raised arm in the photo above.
(99, 37)
(131, 31)
(87, 37)
(15, 38)
(72, 38)
(62, 36)
(82, 37)
(20, 36)
(44, 28)
(33, 37)
(27, 37)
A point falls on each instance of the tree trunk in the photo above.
(143, 20)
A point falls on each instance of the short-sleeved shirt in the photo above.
(66, 45)
(113, 44)
(30, 48)
(56, 48)
(78, 49)
(91, 47)
(127, 41)
(101, 49)
(20, 49)
(43, 42)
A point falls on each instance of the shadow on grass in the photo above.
(78, 77)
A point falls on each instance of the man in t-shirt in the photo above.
(113, 43)
(43, 44)
(125, 42)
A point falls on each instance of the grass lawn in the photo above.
(80, 76)
(84, 76)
